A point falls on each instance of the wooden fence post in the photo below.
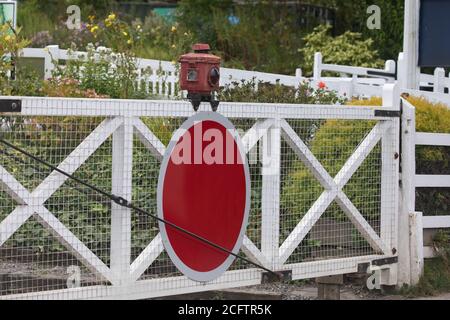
(439, 80)
(402, 71)
(411, 44)
(390, 67)
(417, 257)
(390, 148)
(299, 76)
(391, 95)
(317, 75)
(51, 56)
(407, 196)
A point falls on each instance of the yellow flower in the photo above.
(186, 34)
(94, 29)
(174, 29)
(174, 46)
(130, 41)
(125, 34)
(109, 21)
(8, 38)
(91, 18)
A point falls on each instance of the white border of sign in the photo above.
(190, 273)
(15, 11)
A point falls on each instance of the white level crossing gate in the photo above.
(324, 196)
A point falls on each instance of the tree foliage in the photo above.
(347, 49)
(352, 16)
(253, 36)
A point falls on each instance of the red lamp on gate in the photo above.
(200, 76)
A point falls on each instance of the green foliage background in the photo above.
(349, 49)
(352, 16)
(267, 37)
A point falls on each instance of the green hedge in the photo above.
(433, 118)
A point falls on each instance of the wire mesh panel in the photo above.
(33, 257)
(323, 196)
(333, 235)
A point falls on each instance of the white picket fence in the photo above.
(161, 76)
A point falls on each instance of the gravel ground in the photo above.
(308, 291)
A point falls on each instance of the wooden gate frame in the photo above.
(123, 122)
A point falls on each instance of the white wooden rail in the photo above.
(320, 67)
(435, 88)
(433, 181)
(438, 82)
(123, 122)
(354, 81)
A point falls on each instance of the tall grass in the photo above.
(32, 20)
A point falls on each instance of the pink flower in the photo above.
(321, 85)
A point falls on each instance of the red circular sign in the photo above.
(204, 188)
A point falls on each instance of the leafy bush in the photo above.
(68, 88)
(163, 41)
(197, 16)
(32, 19)
(347, 49)
(153, 38)
(352, 16)
(100, 73)
(114, 71)
(103, 71)
(264, 37)
(245, 91)
(10, 44)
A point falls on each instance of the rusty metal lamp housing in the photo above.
(200, 76)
